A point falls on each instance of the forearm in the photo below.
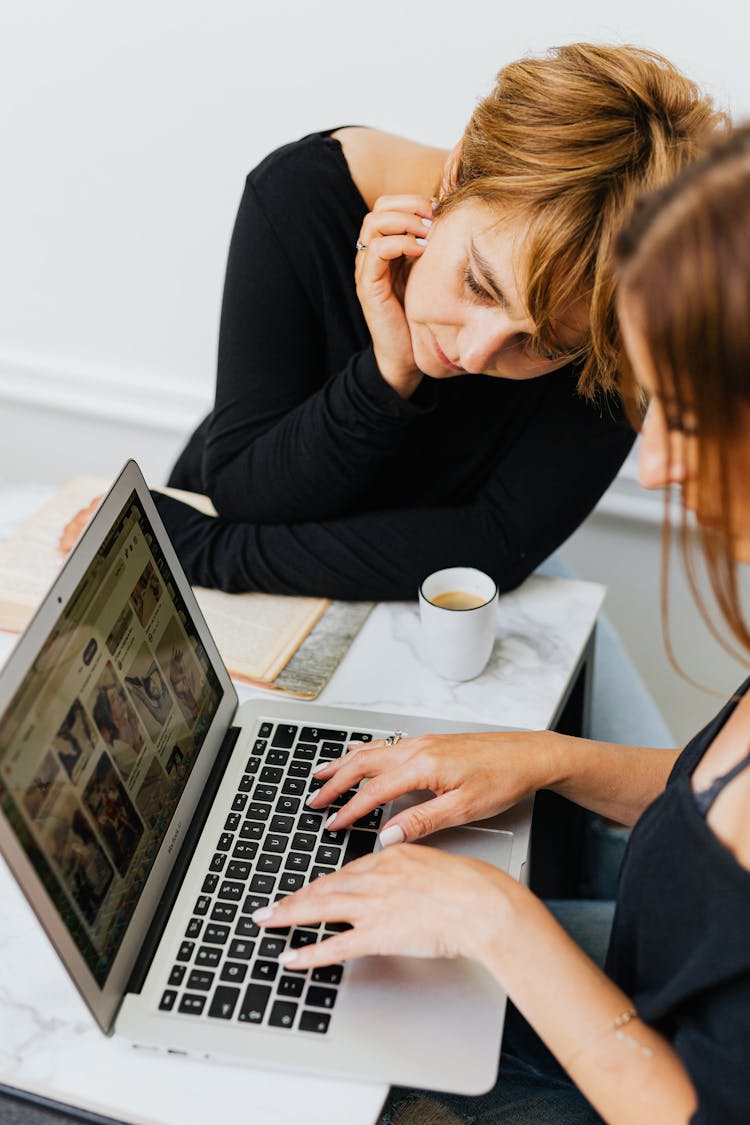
(617, 782)
(632, 1076)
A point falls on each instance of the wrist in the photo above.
(497, 917)
(403, 380)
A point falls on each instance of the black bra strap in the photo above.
(706, 797)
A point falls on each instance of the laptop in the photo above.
(146, 816)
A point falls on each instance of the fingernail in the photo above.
(262, 914)
(421, 242)
(312, 800)
(434, 204)
(320, 769)
(427, 222)
(330, 820)
(287, 957)
(393, 835)
(350, 744)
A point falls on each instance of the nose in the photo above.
(661, 459)
(484, 335)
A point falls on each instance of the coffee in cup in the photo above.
(457, 607)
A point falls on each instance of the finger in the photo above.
(386, 248)
(444, 811)
(378, 791)
(418, 204)
(392, 222)
(350, 770)
(330, 951)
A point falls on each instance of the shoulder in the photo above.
(386, 164)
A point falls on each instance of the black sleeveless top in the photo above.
(680, 943)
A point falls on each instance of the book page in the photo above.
(256, 634)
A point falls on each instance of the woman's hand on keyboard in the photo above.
(473, 776)
(408, 900)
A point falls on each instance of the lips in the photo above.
(444, 358)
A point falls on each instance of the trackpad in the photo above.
(487, 844)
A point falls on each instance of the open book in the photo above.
(292, 644)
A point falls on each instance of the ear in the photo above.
(450, 168)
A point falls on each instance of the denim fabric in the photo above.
(531, 1089)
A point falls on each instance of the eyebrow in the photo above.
(491, 280)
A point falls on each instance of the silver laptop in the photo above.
(146, 817)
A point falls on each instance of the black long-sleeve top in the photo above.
(680, 943)
(325, 480)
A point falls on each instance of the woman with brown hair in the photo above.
(663, 1032)
(417, 347)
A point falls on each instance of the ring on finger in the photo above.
(359, 245)
(392, 739)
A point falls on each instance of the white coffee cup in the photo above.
(458, 641)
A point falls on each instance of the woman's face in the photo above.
(465, 301)
(669, 446)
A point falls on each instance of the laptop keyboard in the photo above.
(226, 968)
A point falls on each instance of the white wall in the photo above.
(125, 136)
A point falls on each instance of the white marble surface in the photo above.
(48, 1041)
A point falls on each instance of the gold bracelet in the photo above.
(616, 1025)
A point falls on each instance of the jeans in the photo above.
(532, 1088)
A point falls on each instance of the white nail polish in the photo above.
(330, 820)
(427, 222)
(319, 769)
(262, 914)
(421, 241)
(288, 957)
(392, 835)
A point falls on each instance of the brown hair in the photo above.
(568, 141)
(684, 277)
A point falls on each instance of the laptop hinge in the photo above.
(190, 841)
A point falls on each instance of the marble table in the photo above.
(49, 1045)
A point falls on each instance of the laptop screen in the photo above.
(101, 736)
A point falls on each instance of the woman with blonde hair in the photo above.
(417, 348)
(662, 1032)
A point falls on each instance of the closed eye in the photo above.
(478, 291)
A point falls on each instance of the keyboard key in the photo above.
(209, 885)
(265, 730)
(301, 938)
(168, 997)
(239, 802)
(314, 1021)
(253, 903)
(287, 805)
(281, 824)
(265, 793)
(343, 798)
(194, 927)
(245, 849)
(291, 881)
(261, 743)
(337, 927)
(225, 842)
(315, 784)
(320, 997)
(297, 861)
(299, 769)
(357, 736)
(200, 979)
(328, 974)
(327, 837)
(217, 861)
(234, 971)
(359, 843)
(258, 810)
(202, 905)
(241, 950)
(316, 734)
(370, 821)
(282, 1014)
(263, 884)
(246, 928)
(224, 912)
(231, 892)
(305, 753)
(303, 842)
(237, 869)
(293, 787)
(290, 986)
(264, 970)
(247, 781)
(232, 822)
(185, 952)
(251, 830)
(284, 736)
(271, 775)
(331, 750)
(208, 956)
(269, 947)
(224, 1002)
(252, 765)
(275, 843)
(254, 1003)
(192, 1004)
(309, 822)
(318, 872)
(216, 935)
(328, 854)
(269, 862)
(177, 974)
(277, 757)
